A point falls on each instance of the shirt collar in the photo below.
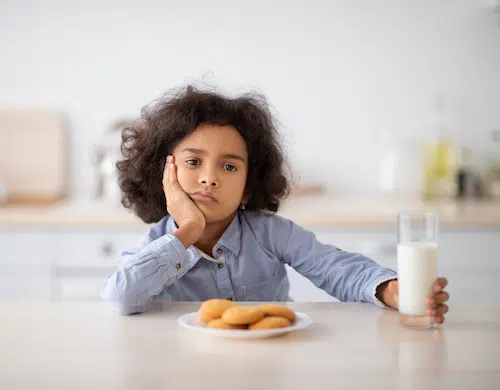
(230, 239)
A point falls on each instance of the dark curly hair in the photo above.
(165, 122)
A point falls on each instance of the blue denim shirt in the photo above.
(247, 264)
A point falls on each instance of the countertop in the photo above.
(313, 211)
(349, 346)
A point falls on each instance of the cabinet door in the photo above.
(24, 264)
(471, 262)
(94, 247)
(85, 258)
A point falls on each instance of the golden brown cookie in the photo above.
(270, 309)
(214, 308)
(220, 324)
(270, 322)
(242, 315)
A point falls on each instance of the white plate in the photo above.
(189, 321)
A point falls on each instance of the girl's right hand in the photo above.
(183, 210)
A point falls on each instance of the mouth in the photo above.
(203, 196)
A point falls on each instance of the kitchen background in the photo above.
(377, 100)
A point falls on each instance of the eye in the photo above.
(230, 167)
(192, 162)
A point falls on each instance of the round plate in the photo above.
(189, 321)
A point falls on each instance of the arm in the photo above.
(158, 261)
(349, 277)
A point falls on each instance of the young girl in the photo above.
(209, 171)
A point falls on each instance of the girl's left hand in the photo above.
(436, 304)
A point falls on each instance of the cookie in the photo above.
(270, 322)
(214, 308)
(220, 324)
(242, 315)
(270, 309)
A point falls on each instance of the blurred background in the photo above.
(385, 105)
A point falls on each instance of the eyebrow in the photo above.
(226, 155)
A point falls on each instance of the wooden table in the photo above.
(88, 346)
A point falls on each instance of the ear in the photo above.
(246, 198)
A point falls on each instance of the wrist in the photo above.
(188, 234)
(384, 295)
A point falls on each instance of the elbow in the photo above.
(120, 301)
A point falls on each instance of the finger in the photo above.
(393, 286)
(438, 298)
(165, 171)
(171, 165)
(441, 297)
(440, 284)
(439, 319)
(173, 172)
(439, 310)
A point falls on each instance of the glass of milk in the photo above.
(417, 266)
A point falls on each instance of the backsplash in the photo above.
(348, 81)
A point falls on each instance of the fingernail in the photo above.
(169, 159)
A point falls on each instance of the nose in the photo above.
(208, 177)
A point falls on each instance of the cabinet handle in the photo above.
(107, 249)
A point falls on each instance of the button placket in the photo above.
(223, 280)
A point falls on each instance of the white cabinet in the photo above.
(471, 262)
(24, 264)
(84, 258)
(59, 264)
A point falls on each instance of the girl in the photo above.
(209, 171)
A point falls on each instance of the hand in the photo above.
(183, 210)
(436, 306)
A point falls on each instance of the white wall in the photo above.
(344, 76)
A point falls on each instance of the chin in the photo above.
(213, 216)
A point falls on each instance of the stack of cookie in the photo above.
(222, 314)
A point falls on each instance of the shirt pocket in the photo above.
(272, 289)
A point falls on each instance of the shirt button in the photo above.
(219, 251)
(220, 265)
(229, 299)
(177, 266)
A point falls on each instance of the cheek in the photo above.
(240, 183)
(185, 178)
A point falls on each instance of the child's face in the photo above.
(213, 159)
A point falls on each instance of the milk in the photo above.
(417, 273)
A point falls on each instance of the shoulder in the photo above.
(275, 233)
(270, 229)
(156, 230)
(266, 222)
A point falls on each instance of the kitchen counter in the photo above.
(314, 211)
(349, 346)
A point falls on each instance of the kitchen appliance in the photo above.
(107, 152)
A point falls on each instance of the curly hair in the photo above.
(166, 121)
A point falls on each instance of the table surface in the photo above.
(88, 346)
